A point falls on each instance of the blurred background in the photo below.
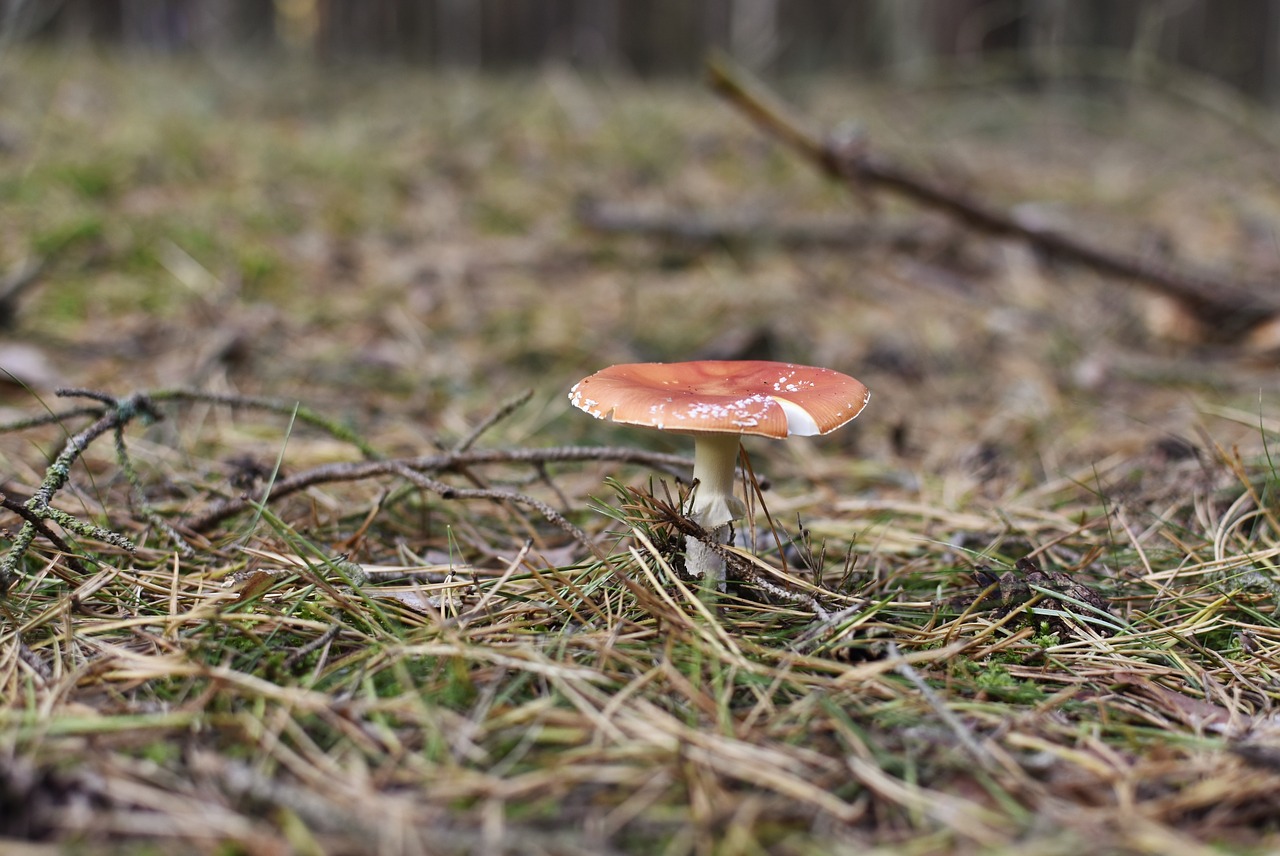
(406, 214)
(395, 210)
(1237, 43)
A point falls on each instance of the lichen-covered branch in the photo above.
(120, 412)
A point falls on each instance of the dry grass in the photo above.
(410, 662)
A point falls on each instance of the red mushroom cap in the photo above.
(723, 397)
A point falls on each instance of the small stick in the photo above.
(448, 491)
(49, 419)
(507, 408)
(319, 642)
(32, 659)
(961, 731)
(742, 569)
(139, 498)
(545, 477)
(15, 283)
(504, 410)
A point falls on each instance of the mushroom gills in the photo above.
(798, 419)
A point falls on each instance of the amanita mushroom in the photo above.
(717, 402)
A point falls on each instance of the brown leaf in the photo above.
(257, 583)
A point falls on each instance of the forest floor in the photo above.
(326, 563)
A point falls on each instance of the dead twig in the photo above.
(121, 411)
(50, 418)
(448, 491)
(736, 565)
(315, 644)
(505, 410)
(443, 462)
(34, 520)
(15, 284)
(1228, 308)
(945, 713)
(112, 417)
(142, 506)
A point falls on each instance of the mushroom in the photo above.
(717, 402)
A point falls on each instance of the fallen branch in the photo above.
(1227, 308)
(701, 228)
(443, 462)
(114, 414)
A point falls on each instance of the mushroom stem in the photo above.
(714, 505)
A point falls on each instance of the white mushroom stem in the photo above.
(715, 457)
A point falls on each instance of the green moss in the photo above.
(94, 180)
(59, 238)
